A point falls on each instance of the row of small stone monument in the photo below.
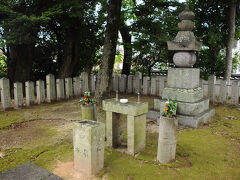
(217, 90)
(56, 89)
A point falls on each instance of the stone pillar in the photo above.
(211, 88)
(136, 128)
(116, 82)
(167, 139)
(51, 89)
(18, 94)
(223, 92)
(40, 91)
(161, 81)
(76, 86)
(60, 89)
(138, 82)
(68, 88)
(93, 83)
(153, 86)
(84, 77)
(88, 144)
(5, 93)
(123, 83)
(145, 85)
(235, 93)
(130, 84)
(29, 85)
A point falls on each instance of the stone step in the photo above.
(197, 120)
(184, 108)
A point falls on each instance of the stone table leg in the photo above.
(136, 129)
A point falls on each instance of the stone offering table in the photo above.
(136, 124)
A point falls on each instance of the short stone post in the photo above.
(84, 78)
(51, 90)
(88, 145)
(29, 85)
(167, 139)
(138, 82)
(161, 82)
(116, 82)
(76, 86)
(153, 86)
(60, 89)
(68, 87)
(223, 92)
(211, 88)
(122, 83)
(235, 93)
(40, 91)
(18, 94)
(130, 84)
(5, 93)
(87, 112)
(145, 85)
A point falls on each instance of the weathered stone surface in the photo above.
(51, 88)
(196, 121)
(184, 59)
(223, 92)
(76, 86)
(29, 85)
(122, 83)
(186, 25)
(87, 112)
(145, 85)
(130, 84)
(136, 130)
(60, 89)
(161, 85)
(167, 139)
(5, 93)
(68, 88)
(88, 143)
(28, 171)
(211, 88)
(138, 82)
(93, 83)
(186, 78)
(184, 108)
(116, 82)
(85, 82)
(130, 108)
(185, 95)
(153, 86)
(40, 86)
(235, 93)
(18, 94)
(153, 114)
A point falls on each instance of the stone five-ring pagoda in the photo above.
(183, 81)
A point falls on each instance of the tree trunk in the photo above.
(127, 49)
(109, 50)
(70, 58)
(231, 34)
(20, 62)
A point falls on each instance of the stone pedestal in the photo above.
(136, 124)
(88, 144)
(167, 139)
(87, 112)
(183, 85)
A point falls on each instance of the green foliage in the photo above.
(3, 64)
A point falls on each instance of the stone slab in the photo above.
(196, 121)
(186, 78)
(130, 108)
(185, 95)
(28, 171)
(153, 114)
(184, 108)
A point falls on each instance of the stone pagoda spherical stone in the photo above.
(186, 25)
(184, 59)
(187, 14)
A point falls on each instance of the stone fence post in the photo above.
(51, 89)
(211, 88)
(29, 85)
(138, 82)
(18, 94)
(145, 85)
(130, 84)
(68, 88)
(153, 86)
(76, 86)
(235, 93)
(40, 86)
(60, 89)
(5, 93)
(84, 78)
(223, 92)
